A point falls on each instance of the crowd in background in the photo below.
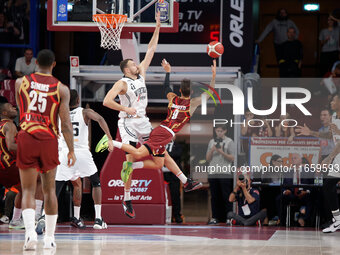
(14, 29)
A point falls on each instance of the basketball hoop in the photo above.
(110, 26)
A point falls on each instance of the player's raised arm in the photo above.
(65, 121)
(151, 47)
(166, 86)
(196, 101)
(10, 131)
(90, 114)
(119, 87)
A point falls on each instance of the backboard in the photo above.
(76, 15)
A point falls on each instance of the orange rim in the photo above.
(107, 18)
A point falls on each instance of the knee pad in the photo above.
(95, 180)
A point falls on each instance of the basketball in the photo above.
(215, 49)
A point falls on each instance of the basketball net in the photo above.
(110, 26)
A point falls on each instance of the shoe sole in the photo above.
(15, 227)
(76, 226)
(50, 246)
(327, 232)
(198, 186)
(31, 245)
(102, 144)
(98, 227)
(130, 216)
(127, 214)
(126, 172)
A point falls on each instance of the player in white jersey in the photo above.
(332, 161)
(85, 166)
(133, 124)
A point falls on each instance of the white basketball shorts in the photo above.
(84, 166)
(134, 129)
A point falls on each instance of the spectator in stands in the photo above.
(290, 56)
(248, 200)
(275, 161)
(256, 128)
(175, 151)
(5, 54)
(7, 31)
(279, 26)
(294, 194)
(220, 152)
(18, 14)
(26, 65)
(261, 129)
(270, 192)
(327, 145)
(283, 130)
(331, 82)
(329, 39)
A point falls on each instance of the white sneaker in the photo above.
(99, 224)
(49, 243)
(4, 219)
(332, 228)
(16, 224)
(31, 241)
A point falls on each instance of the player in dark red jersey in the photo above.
(9, 173)
(180, 109)
(41, 98)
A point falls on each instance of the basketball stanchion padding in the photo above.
(110, 26)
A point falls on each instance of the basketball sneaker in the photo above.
(31, 240)
(128, 210)
(49, 243)
(99, 224)
(40, 227)
(178, 219)
(126, 171)
(102, 145)
(77, 223)
(4, 219)
(213, 221)
(258, 223)
(192, 185)
(16, 224)
(332, 228)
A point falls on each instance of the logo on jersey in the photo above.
(140, 93)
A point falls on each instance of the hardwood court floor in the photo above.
(177, 239)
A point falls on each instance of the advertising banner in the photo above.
(262, 149)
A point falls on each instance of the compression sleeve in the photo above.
(167, 88)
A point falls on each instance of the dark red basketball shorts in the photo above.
(9, 176)
(158, 139)
(34, 153)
